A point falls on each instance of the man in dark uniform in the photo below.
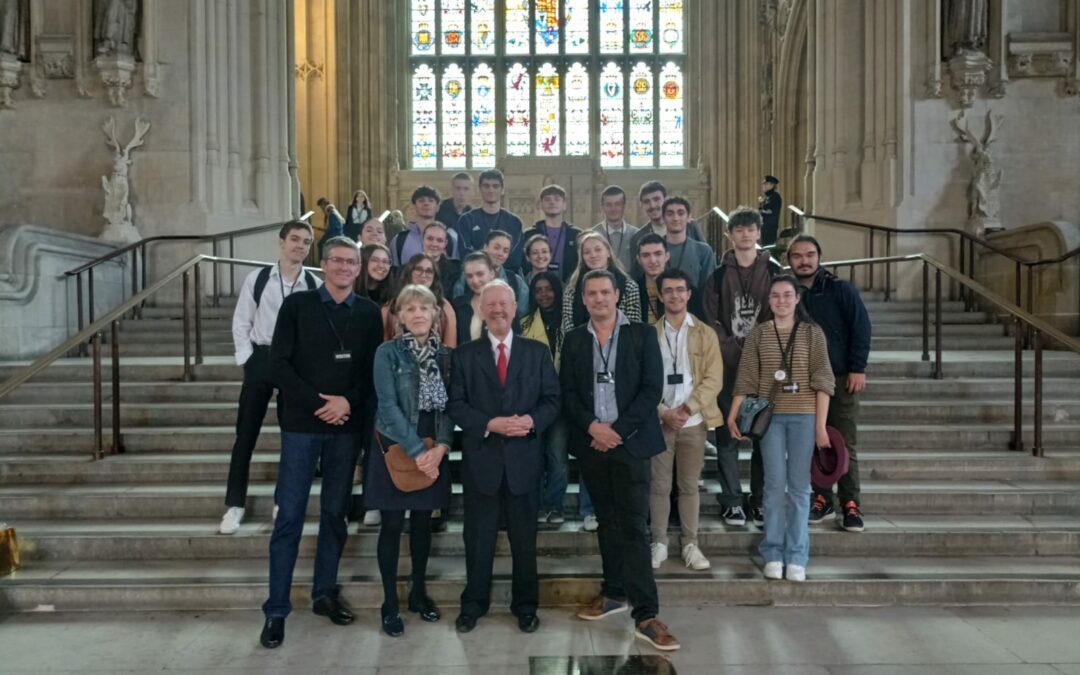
(769, 205)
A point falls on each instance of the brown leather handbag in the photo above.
(404, 472)
(9, 550)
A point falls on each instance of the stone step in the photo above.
(948, 342)
(914, 317)
(223, 312)
(204, 501)
(162, 325)
(900, 536)
(173, 414)
(564, 582)
(213, 467)
(174, 348)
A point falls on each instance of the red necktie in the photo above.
(500, 364)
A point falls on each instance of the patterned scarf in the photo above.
(432, 390)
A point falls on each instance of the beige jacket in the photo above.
(706, 369)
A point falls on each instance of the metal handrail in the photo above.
(1023, 320)
(92, 334)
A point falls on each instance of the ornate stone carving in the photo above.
(116, 27)
(1040, 54)
(984, 204)
(309, 70)
(116, 72)
(10, 67)
(119, 225)
(967, 71)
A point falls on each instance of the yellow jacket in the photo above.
(706, 369)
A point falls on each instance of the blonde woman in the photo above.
(594, 253)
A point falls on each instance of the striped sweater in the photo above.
(810, 367)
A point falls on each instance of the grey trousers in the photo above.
(727, 457)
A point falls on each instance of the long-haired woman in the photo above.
(594, 253)
(421, 270)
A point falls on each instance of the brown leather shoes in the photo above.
(656, 633)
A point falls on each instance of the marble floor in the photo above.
(1015, 640)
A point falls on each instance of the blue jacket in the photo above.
(397, 383)
(835, 305)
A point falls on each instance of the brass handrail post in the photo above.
(232, 270)
(1036, 340)
(971, 273)
(117, 443)
(1018, 385)
(925, 311)
(79, 307)
(187, 326)
(888, 267)
(937, 325)
(98, 451)
(198, 315)
(217, 287)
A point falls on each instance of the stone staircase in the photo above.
(952, 515)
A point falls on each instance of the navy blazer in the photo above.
(532, 388)
(639, 385)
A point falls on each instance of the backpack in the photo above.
(264, 278)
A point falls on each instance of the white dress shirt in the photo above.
(253, 324)
(495, 347)
(679, 361)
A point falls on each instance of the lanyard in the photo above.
(292, 288)
(674, 352)
(344, 331)
(785, 352)
(610, 345)
(745, 282)
(607, 235)
(556, 245)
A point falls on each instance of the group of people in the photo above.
(621, 346)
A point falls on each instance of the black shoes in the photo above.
(425, 607)
(758, 516)
(528, 623)
(334, 609)
(820, 509)
(852, 521)
(465, 623)
(392, 625)
(273, 633)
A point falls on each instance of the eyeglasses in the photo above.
(425, 271)
(675, 290)
(346, 262)
(379, 261)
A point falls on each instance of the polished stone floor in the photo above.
(1016, 640)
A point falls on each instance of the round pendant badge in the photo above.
(780, 375)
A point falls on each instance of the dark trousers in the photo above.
(727, 456)
(389, 551)
(255, 395)
(619, 487)
(300, 454)
(482, 513)
(844, 415)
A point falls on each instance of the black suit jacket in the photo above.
(532, 388)
(639, 384)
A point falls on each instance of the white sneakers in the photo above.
(796, 573)
(230, 522)
(694, 558)
(659, 555)
(591, 524)
(372, 518)
(774, 570)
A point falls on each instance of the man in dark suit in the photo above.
(612, 381)
(504, 393)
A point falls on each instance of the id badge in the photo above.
(604, 377)
(792, 388)
(675, 378)
(553, 267)
(342, 356)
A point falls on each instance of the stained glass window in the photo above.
(517, 26)
(546, 13)
(518, 115)
(453, 27)
(482, 26)
(671, 116)
(547, 78)
(453, 117)
(641, 115)
(548, 138)
(577, 110)
(641, 26)
(483, 116)
(425, 154)
(612, 130)
(576, 22)
(671, 27)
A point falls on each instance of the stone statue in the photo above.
(119, 226)
(967, 25)
(116, 27)
(14, 21)
(984, 203)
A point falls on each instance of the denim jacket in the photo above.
(397, 383)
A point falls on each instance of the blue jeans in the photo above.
(557, 473)
(786, 450)
(301, 453)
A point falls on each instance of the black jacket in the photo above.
(836, 306)
(476, 396)
(639, 383)
(303, 362)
